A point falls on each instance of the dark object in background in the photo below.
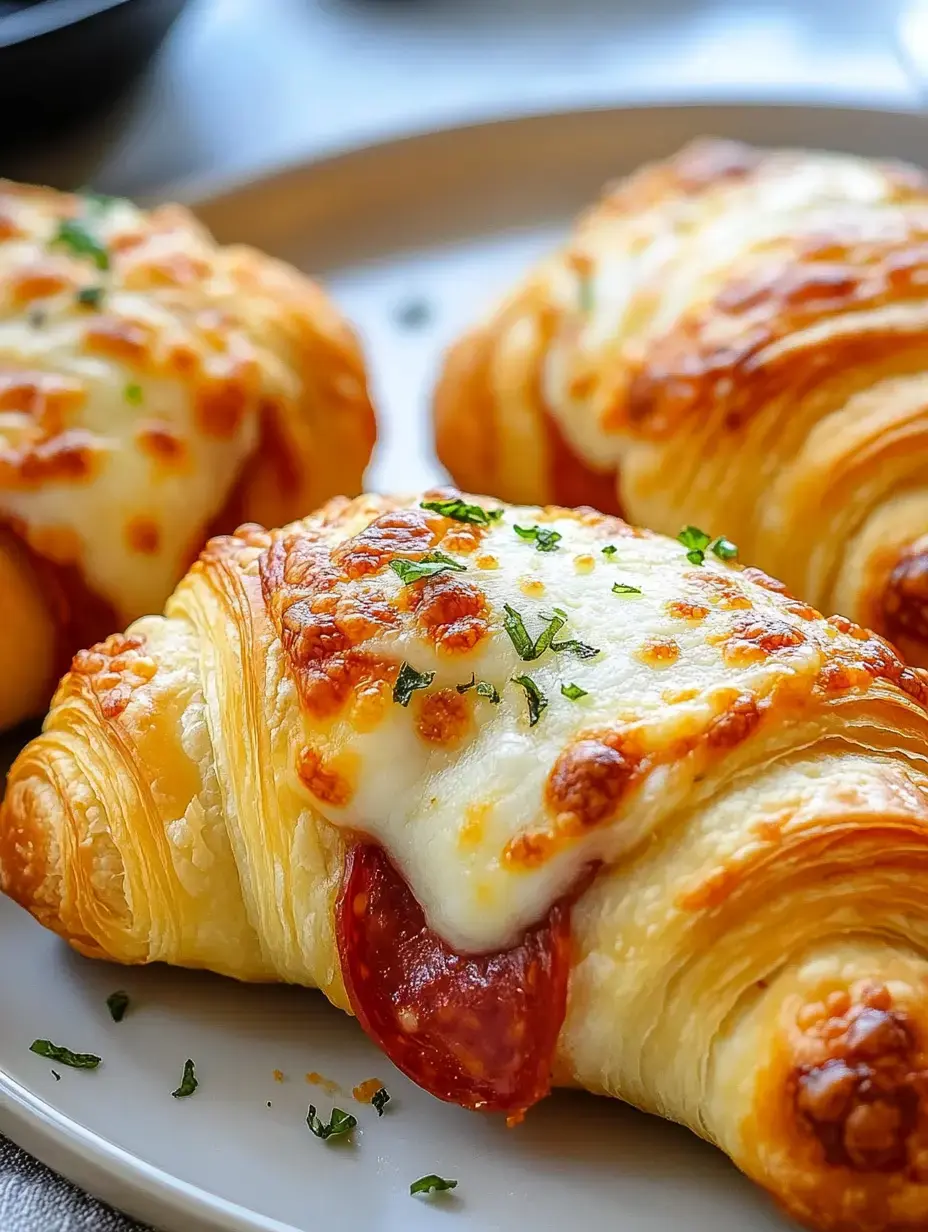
(61, 59)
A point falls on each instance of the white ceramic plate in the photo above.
(426, 228)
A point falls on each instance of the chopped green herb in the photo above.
(483, 687)
(573, 691)
(534, 696)
(610, 549)
(457, 508)
(90, 297)
(623, 588)
(188, 1084)
(545, 540)
(408, 681)
(339, 1124)
(695, 541)
(573, 646)
(64, 1056)
(73, 234)
(133, 394)
(518, 634)
(723, 548)
(56, 1075)
(380, 1099)
(117, 1003)
(427, 566)
(530, 650)
(430, 1184)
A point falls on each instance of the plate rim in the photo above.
(88, 1160)
(212, 186)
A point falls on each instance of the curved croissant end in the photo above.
(154, 389)
(734, 338)
(692, 872)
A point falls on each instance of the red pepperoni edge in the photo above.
(479, 1031)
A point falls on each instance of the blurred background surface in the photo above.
(238, 85)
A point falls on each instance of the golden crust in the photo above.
(728, 323)
(154, 388)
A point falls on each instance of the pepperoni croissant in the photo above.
(154, 389)
(734, 338)
(540, 798)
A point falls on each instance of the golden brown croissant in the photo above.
(539, 797)
(154, 389)
(734, 338)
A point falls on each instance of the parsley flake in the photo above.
(56, 1075)
(537, 701)
(458, 509)
(573, 692)
(117, 1003)
(339, 1124)
(431, 1184)
(188, 1084)
(695, 541)
(609, 550)
(530, 650)
(64, 1056)
(623, 588)
(380, 1099)
(427, 566)
(483, 687)
(546, 540)
(73, 234)
(90, 297)
(723, 548)
(133, 394)
(408, 681)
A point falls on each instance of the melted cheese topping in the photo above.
(489, 816)
(127, 417)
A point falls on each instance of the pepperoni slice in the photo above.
(479, 1031)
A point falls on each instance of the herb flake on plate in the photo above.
(380, 1099)
(64, 1056)
(189, 1083)
(117, 1003)
(431, 1184)
(623, 588)
(339, 1123)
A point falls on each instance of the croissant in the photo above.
(734, 338)
(154, 388)
(539, 798)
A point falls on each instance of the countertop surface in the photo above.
(244, 85)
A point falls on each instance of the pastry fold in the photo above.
(734, 338)
(155, 389)
(539, 797)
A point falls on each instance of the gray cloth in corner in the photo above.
(35, 1199)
